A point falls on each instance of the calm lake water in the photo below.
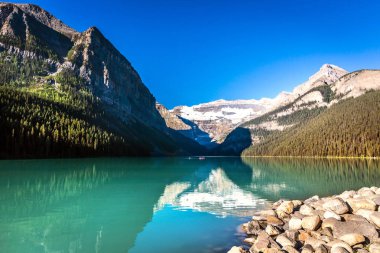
(155, 204)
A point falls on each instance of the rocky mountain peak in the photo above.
(330, 72)
(29, 28)
(47, 19)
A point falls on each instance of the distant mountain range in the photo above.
(69, 93)
(235, 125)
(219, 118)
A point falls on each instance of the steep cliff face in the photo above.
(29, 28)
(112, 77)
(52, 62)
(172, 121)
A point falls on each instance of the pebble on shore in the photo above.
(345, 223)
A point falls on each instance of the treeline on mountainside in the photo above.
(31, 44)
(299, 115)
(31, 126)
(52, 116)
(349, 128)
(43, 115)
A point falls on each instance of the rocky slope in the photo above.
(172, 121)
(331, 85)
(220, 117)
(348, 128)
(63, 65)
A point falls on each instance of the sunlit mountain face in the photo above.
(217, 195)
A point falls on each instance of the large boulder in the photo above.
(340, 228)
(336, 205)
(272, 230)
(315, 243)
(352, 238)
(235, 249)
(353, 217)
(285, 241)
(261, 243)
(339, 244)
(375, 218)
(273, 220)
(374, 248)
(361, 203)
(253, 228)
(286, 206)
(306, 210)
(365, 213)
(331, 214)
(311, 222)
(295, 223)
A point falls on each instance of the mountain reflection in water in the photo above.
(118, 204)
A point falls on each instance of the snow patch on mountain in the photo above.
(220, 117)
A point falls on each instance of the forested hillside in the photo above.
(348, 128)
(68, 93)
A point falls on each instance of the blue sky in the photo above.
(192, 51)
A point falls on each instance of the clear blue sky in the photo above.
(192, 51)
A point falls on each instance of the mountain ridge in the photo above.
(47, 62)
(220, 117)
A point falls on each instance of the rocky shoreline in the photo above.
(344, 223)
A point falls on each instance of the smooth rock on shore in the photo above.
(344, 223)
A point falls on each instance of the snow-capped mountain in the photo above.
(219, 118)
(217, 195)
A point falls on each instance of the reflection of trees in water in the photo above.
(80, 205)
(40, 206)
(41, 191)
(299, 178)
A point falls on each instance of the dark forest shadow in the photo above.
(234, 144)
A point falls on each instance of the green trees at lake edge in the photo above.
(350, 128)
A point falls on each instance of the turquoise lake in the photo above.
(155, 204)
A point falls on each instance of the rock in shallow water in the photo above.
(253, 228)
(235, 249)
